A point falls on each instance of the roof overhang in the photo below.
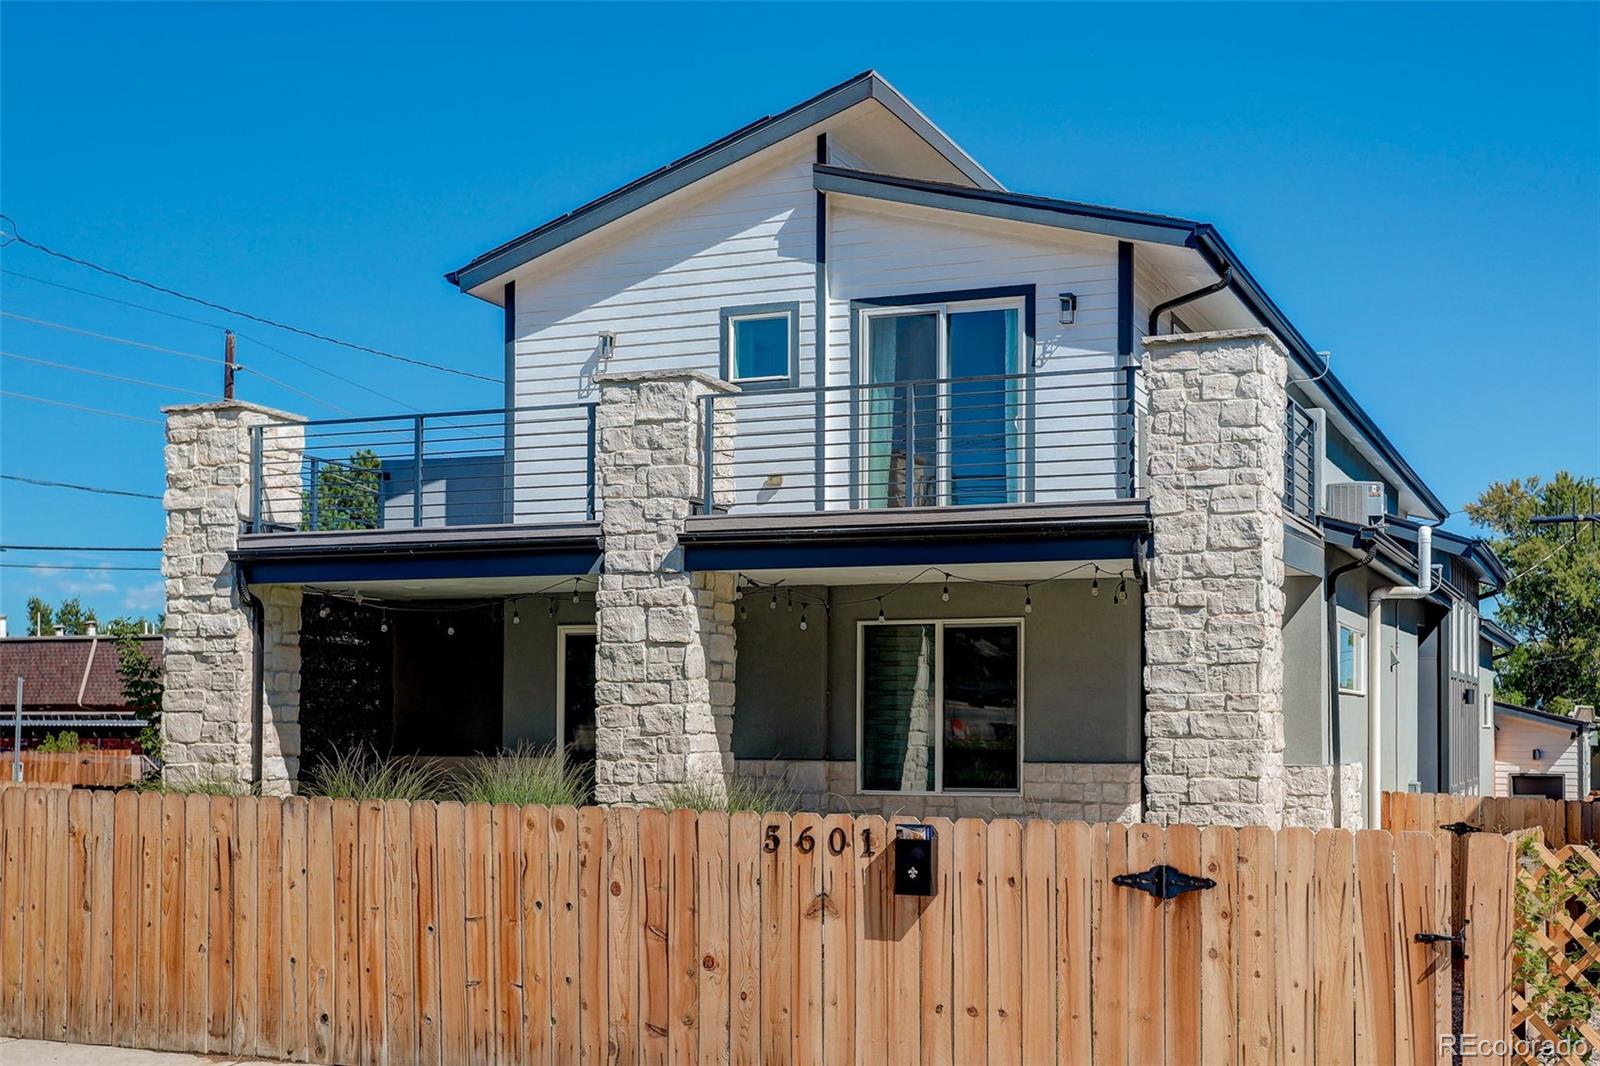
(1545, 718)
(917, 537)
(702, 162)
(1149, 228)
(419, 554)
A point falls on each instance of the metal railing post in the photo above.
(256, 487)
(314, 475)
(589, 507)
(416, 458)
(911, 445)
(708, 463)
(1129, 382)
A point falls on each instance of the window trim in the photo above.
(732, 315)
(1360, 660)
(563, 631)
(939, 625)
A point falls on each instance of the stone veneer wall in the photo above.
(664, 663)
(1086, 792)
(1321, 797)
(1214, 605)
(206, 708)
(280, 679)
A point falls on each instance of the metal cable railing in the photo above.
(1299, 462)
(1050, 436)
(459, 468)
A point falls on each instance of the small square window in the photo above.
(758, 346)
(1351, 660)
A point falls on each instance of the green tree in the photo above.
(1552, 603)
(70, 613)
(142, 687)
(345, 493)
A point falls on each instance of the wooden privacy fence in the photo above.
(104, 769)
(388, 932)
(1562, 821)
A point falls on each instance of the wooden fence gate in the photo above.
(392, 932)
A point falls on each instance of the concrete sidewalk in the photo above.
(49, 1053)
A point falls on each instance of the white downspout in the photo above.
(1372, 774)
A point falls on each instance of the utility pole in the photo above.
(229, 365)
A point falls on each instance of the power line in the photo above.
(20, 239)
(80, 488)
(309, 364)
(71, 548)
(79, 407)
(54, 566)
(102, 374)
(177, 352)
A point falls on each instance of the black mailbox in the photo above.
(915, 860)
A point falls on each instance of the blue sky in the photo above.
(1417, 186)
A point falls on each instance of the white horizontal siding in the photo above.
(1514, 743)
(878, 250)
(660, 284)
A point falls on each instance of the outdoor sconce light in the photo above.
(1069, 308)
(1538, 753)
(608, 344)
(915, 869)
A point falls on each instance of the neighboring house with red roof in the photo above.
(69, 682)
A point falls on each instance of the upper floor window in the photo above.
(760, 346)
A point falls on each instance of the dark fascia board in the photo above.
(1139, 226)
(1577, 725)
(415, 539)
(1473, 549)
(1355, 539)
(1496, 634)
(903, 525)
(995, 203)
(713, 157)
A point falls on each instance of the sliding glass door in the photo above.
(942, 422)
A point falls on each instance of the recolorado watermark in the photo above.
(1471, 1046)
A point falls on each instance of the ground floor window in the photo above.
(1351, 660)
(1548, 786)
(939, 706)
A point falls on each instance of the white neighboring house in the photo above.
(1537, 753)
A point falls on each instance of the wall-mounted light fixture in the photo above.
(1538, 753)
(608, 344)
(1069, 308)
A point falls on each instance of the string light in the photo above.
(791, 601)
(449, 631)
(802, 619)
(744, 608)
(574, 590)
(1094, 586)
(516, 617)
(1027, 599)
(383, 624)
(773, 606)
(323, 612)
(945, 593)
(1122, 591)
(550, 607)
(880, 609)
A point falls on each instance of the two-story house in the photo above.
(825, 458)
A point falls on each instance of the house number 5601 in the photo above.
(838, 841)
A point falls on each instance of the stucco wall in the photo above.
(1305, 672)
(1081, 663)
(530, 667)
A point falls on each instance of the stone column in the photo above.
(664, 660)
(207, 706)
(1213, 674)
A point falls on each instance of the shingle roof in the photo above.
(52, 671)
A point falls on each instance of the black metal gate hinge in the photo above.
(1164, 882)
(1461, 828)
